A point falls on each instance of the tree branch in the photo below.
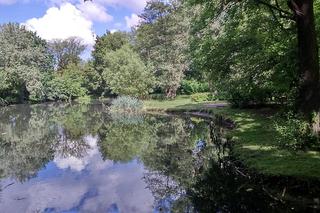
(282, 13)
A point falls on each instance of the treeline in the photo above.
(33, 70)
(242, 52)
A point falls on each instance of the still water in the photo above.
(81, 158)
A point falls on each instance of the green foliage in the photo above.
(126, 104)
(126, 74)
(26, 141)
(66, 51)
(105, 44)
(108, 42)
(84, 99)
(161, 39)
(202, 97)
(66, 84)
(294, 132)
(24, 61)
(123, 141)
(92, 79)
(245, 53)
(192, 86)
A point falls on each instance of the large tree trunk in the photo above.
(308, 100)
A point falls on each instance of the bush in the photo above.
(294, 133)
(243, 98)
(189, 87)
(202, 97)
(126, 104)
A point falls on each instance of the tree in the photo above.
(302, 14)
(107, 43)
(161, 39)
(242, 62)
(126, 74)
(66, 51)
(67, 84)
(92, 79)
(24, 63)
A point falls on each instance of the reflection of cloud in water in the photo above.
(75, 163)
(95, 186)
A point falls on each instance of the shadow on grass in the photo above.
(257, 146)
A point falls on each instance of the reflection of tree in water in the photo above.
(171, 164)
(75, 122)
(161, 186)
(124, 141)
(205, 179)
(69, 147)
(224, 186)
(127, 118)
(26, 142)
(30, 136)
(79, 120)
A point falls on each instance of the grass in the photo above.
(181, 103)
(255, 137)
(159, 105)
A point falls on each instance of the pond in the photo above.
(81, 158)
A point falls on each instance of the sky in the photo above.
(60, 19)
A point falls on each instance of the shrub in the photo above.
(201, 97)
(126, 104)
(189, 87)
(294, 132)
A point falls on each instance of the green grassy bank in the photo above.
(255, 137)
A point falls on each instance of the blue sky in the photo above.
(60, 19)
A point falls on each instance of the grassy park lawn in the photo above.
(255, 137)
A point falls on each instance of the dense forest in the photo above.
(249, 53)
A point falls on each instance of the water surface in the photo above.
(80, 158)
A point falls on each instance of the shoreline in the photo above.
(254, 137)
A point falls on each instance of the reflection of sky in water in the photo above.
(88, 184)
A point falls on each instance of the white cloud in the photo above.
(133, 5)
(94, 12)
(132, 21)
(61, 23)
(113, 30)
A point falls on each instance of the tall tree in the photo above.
(105, 44)
(240, 58)
(66, 51)
(24, 61)
(301, 13)
(126, 74)
(161, 39)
